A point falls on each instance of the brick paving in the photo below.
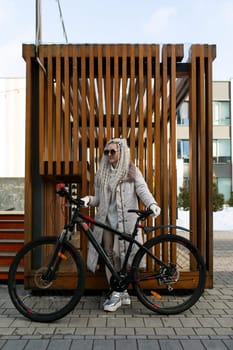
(207, 325)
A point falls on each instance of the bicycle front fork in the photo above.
(56, 257)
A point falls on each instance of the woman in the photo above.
(118, 184)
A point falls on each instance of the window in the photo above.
(183, 114)
(221, 113)
(224, 187)
(221, 151)
(183, 150)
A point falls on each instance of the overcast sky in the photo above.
(122, 21)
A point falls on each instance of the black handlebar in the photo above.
(62, 192)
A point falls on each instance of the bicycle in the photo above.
(172, 280)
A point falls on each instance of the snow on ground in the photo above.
(222, 220)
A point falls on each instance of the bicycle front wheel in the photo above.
(173, 283)
(46, 299)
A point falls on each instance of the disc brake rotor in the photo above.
(39, 281)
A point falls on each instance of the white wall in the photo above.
(12, 127)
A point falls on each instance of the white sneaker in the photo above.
(113, 303)
(125, 298)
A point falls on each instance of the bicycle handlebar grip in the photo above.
(61, 190)
(81, 202)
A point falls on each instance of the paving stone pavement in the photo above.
(207, 325)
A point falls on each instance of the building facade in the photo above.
(222, 139)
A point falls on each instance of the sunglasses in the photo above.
(112, 152)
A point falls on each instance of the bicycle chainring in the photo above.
(169, 275)
(119, 286)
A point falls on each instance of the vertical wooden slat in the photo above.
(108, 94)
(58, 111)
(101, 138)
(84, 120)
(67, 135)
(193, 146)
(49, 115)
(124, 92)
(87, 98)
(157, 132)
(164, 144)
(28, 147)
(202, 151)
(132, 103)
(42, 129)
(75, 111)
(148, 130)
(201, 156)
(91, 132)
(116, 92)
(141, 116)
(172, 143)
(172, 150)
(92, 114)
(148, 119)
(164, 140)
(128, 100)
(209, 163)
(112, 90)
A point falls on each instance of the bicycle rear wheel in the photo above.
(46, 300)
(175, 286)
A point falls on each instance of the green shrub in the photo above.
(183, 200)
(230, 201)
(218, 198)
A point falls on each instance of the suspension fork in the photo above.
(55, 259)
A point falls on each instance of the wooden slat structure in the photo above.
(79, 96)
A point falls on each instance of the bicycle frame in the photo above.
(83, 222)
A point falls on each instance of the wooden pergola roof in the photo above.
(111, 85)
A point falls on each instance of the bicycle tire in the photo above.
(175, 292)
(37, 299)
